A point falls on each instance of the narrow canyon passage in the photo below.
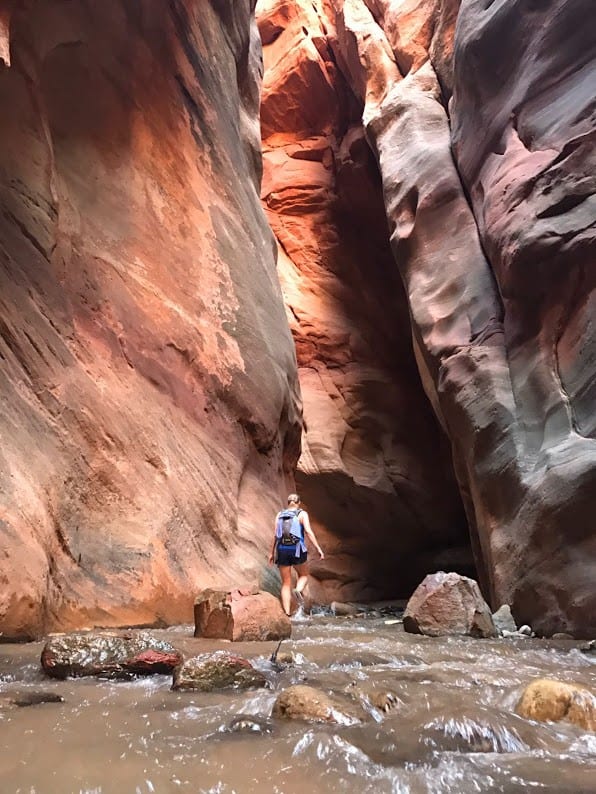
(375, 471)
(501, 310)
(423, 174)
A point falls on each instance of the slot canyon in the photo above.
(339, 246)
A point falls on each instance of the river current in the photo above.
(449, 725)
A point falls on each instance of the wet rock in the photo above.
(24, 699)
(561, 635)
(249, 723)
(285, 658)
(342, 610)
(515, 634)
(240, 615)
(109, 654)
(503, 619)
(384, 700)
(447, 603)
(546, 700)
(590, 648)
(306, 703)
(525, 631)
(210, 672)
(466, 735)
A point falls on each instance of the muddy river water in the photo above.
(450, 726)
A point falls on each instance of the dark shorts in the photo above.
(286, 555)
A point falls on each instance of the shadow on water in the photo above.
(437, 715)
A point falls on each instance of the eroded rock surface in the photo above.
(108, 655)
(240, 615)
(306, 703)
(375, 471)
(546, 700)
(148, 397)
(210, 672)
(447, 603)
(491, 219)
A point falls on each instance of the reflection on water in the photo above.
(440, 720)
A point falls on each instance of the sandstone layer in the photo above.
(375, 472)
(149, 415)
(481, 119)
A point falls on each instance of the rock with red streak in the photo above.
(108, 655)
(447, 603)
(240, 615)
(210, 672)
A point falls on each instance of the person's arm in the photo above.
(308, 529)
(272, 555)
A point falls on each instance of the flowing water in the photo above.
(449, 723)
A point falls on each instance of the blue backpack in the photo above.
(289, 530)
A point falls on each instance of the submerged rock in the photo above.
(220, 670)
(249, 723)
(240, 615)
(343, 610)
(24, 699)
(109, 654)
(306, 703)
(463, 734)
(547, 700)
(590, 648)
(447, 603)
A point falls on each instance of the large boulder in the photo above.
(108, 655)
(447, 603)
(306, 703)
(240, 615)
(210, 672)
(546, 700)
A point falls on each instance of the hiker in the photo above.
(289, 550)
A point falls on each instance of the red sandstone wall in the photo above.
(149, 416)
(375, 471)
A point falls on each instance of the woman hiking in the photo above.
(289, 550)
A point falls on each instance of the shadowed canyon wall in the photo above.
(375, 471)
(149, 413)
(481, 119)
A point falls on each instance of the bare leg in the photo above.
(285, 571)
(302, 571)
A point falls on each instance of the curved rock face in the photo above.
(491, 337)
(148, 401)
(375, 472)
(491, 222)
(524, 137)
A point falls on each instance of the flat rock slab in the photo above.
(240, 615)
(108, 655)
(546, 700)
(447, 603)
(211, 672)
